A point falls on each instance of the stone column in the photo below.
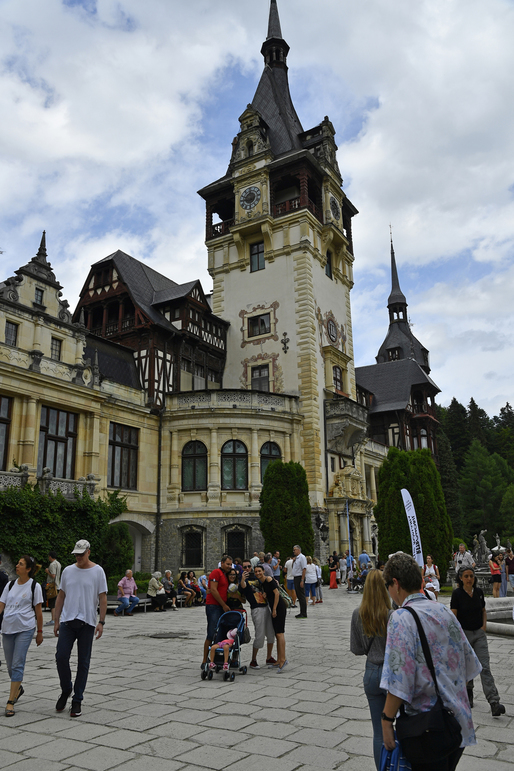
(174, 486)
(92, 447)
(28, 440)
(287, 448)
(373, 483)
(213, 487)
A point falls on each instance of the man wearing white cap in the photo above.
(83, 589)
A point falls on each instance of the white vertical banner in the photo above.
(415, 538)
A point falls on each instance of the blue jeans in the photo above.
(67, 636)
(127, 604)
(15, 650)
(376, 699)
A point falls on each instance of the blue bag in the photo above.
(393, 760)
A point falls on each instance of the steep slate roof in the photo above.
(399, 335)
(173, 293)
(114, 360)
(143, 282)
(272, 98)
(391, 383)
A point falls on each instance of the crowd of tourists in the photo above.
(421, 657)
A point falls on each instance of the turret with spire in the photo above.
(400, 343)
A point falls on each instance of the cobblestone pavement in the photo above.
(146, 708)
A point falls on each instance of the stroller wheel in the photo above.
(245, 670)
(226, 675)
(203, 675)
(209, 674)
(232, 677)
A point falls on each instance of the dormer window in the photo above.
(39, 297)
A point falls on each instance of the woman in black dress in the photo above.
(278, 614)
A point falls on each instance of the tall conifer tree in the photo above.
(417, 472)
(285, 509)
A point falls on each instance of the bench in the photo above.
(113, 603)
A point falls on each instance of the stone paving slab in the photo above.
(158, 715)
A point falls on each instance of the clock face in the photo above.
(335, 208)
(332, 330)
(250, 198)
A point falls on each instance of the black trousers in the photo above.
(300, 595)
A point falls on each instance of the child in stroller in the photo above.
(225, 651)
(226, 646)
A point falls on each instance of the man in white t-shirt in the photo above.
(83, 589)
(299, 570)
(288, 576)
(53, 583)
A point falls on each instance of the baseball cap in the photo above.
(81, 547)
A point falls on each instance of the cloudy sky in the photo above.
(114, 112)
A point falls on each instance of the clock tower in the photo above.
(280, 253)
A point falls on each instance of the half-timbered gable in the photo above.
(178, 343)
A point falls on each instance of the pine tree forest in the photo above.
(476, 464)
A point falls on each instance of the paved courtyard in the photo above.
(146, 708)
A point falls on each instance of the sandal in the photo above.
(20, 693)
(9, 712)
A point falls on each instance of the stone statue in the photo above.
(484, 550)
(476, 549)
(509, 545)
(337, 488)
(498, 542)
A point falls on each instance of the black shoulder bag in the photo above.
(433, 735)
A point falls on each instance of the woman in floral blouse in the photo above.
(405, 674)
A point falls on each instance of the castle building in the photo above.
(398, 390)
(182, 400)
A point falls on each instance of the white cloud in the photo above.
(109, 109)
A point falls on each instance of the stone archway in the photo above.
(141, 529)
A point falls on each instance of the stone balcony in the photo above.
(228, 398)
(347, 424)
(19, 477)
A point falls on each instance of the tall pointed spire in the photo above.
(272, 99)
(42, 253)
(396, 297)
(274, 30)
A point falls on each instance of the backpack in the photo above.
(285, 596)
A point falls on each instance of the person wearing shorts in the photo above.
(216, 602)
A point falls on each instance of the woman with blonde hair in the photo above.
(368, 638)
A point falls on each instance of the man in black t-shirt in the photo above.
(468, 604)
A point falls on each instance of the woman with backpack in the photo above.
(21, 602)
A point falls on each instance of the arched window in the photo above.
(269, 451)
(338, 378)
(234, 466)
(194, 466)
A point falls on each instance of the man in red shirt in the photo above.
(216, 601)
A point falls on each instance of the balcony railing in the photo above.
(48, 483)
(220, 229)
(280, 209)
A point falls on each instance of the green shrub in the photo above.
(285, 513)
(325, 574)
(456, 542)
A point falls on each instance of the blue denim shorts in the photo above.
(290, 584)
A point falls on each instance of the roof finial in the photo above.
(42, 254)
(274, 30)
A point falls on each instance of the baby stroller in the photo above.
(233, 619)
